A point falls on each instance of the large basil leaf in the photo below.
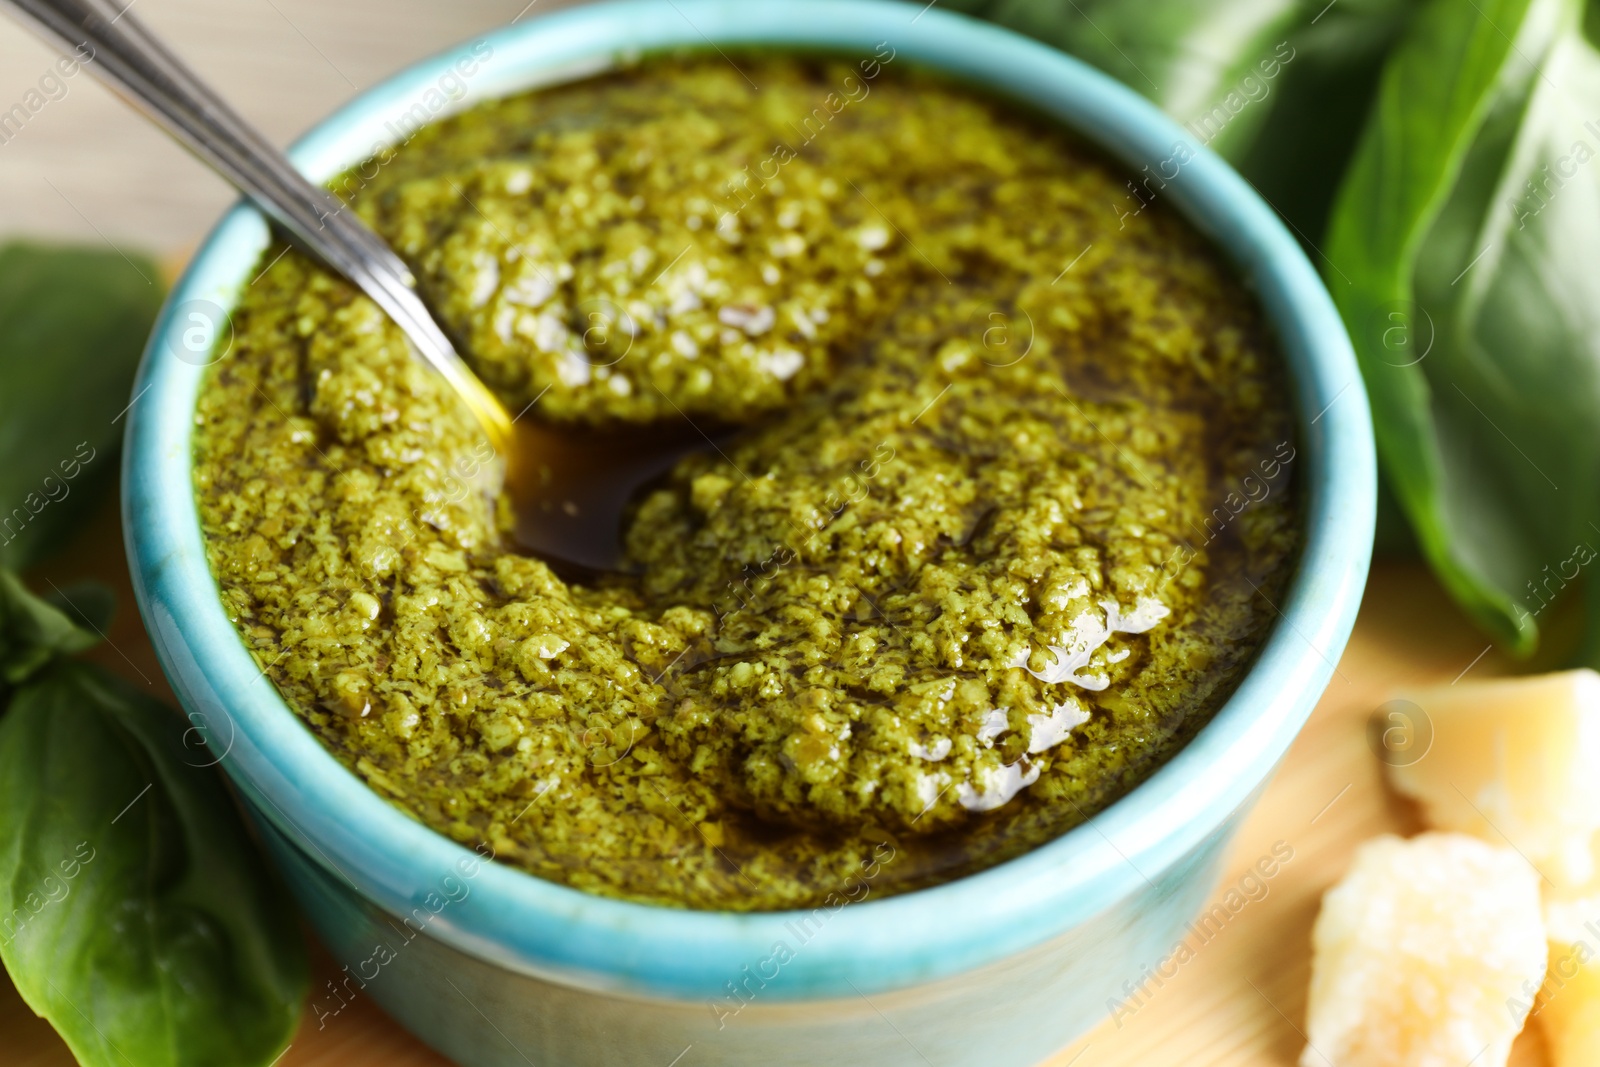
(135, 914)
(1188, 56)
(1312, 121)
(72, 324)
(1278, 87)
(33, 631)
(1473, 303)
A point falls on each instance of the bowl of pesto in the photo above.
(998, 491)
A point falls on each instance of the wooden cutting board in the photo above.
(1240, 1000)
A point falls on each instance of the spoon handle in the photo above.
(121, 51)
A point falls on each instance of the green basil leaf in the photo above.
(1301, 146)
(34, 631)
(1280, 88)
(87, 603)
(135, 913)
(72, 325)
(1208, 63)
(1477, 325)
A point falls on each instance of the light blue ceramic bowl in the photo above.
(493, 966)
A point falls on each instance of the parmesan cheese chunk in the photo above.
(1424, 956)
(1569, 1004)
(1514, 761)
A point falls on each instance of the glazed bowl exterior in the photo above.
(493, 966)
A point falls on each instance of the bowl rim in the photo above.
(531, 926)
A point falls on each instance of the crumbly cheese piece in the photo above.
(1568, 1006)
(1424, 956)
(1513, 762)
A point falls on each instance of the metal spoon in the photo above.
(144, 72)
(569, 490)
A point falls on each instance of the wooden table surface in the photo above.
(1239, 1002)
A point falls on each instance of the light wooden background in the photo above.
(86, 168)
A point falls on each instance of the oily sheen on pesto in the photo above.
(997, 495)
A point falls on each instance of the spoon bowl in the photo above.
(571, 488)
(146, 73)
(568, 489)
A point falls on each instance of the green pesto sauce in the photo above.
(1005, 500)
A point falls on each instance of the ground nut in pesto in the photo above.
(1000, 496)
